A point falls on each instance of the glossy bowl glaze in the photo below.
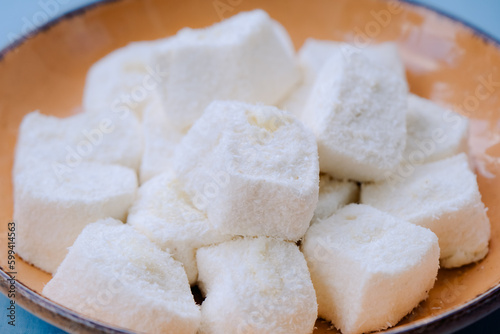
(446, 61)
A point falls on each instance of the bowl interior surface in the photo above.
(446, 62)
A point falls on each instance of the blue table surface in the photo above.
(18, 17)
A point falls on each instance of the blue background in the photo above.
(18, 16)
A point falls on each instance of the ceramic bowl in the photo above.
(446, 61)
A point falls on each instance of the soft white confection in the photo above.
(64, 143)
(314, 54)
(125, 79)
(434, 132)
(357, 111)
(252, 168)
(334, 194)
(165, 214)
(444, 197)
(50, 211)
(256, 285)
(248, 57)
(160, 140)
(369, 269)
(116, 275)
